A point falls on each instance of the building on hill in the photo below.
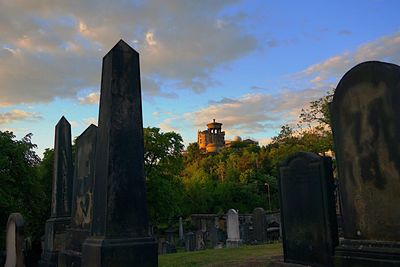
(212, 139)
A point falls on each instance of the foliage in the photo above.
(163, 163)
(21, 189)
(178, 183)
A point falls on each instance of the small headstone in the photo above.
(119, 231)
(365, 121)
(233, 240)
(190, 241)
(15, 241)
(55, 232)
(82, 205)
(181, 235)
(308, 209)
(259, 225)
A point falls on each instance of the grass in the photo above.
(257, 255)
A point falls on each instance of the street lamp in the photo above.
(269, 195)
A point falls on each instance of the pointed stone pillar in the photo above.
(82, 198)
(120, 220)
(61, 195)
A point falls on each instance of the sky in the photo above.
(251, 65)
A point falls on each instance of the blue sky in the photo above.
(251, 65)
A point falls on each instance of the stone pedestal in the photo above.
(55, 237)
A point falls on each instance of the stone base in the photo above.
(363, 253)
(127, 252)
(72, 255)
(233, 243)
(55, 235)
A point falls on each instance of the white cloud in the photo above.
(254, 113)
(386, 48)
(54, 48)
(18, 115)
(91, 98)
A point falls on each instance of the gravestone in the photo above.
(259, 225)
(119, 231)
(60, 216)
(365, 121)
(82, 196)
(15, 241)
(232, 226)
(307, 209)
(190, 241)
(213, 232)
(181, 235)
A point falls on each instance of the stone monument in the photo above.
(15, 241)
(181, 234)
(232, 226)
(82, 196)
(308, 209)
(119, 232)
(259, 225)
(60, 216)
(365, 121)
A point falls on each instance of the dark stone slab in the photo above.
(190, 241)
(307, 209)
(82, 205)
(259, 225)
(365, 121)
(61, 195)
(120, 220)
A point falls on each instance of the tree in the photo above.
(163, 164)
(21, 189)
(318, 113)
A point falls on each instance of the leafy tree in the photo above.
(20, 188)
(163, 164)
(318, 112)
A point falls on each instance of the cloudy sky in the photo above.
(251, 65)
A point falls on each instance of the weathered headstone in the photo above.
(190, 241)
(119, 233)
(233, 229)
(181, 234)
(82, 204)
(308, 209)
(259, 225)
(15, 241)
(60, 216)
(365, 121)
(213, 232)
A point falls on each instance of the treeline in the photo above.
(179, 183)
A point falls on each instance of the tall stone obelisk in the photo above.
(119, 235)
(61, 195)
